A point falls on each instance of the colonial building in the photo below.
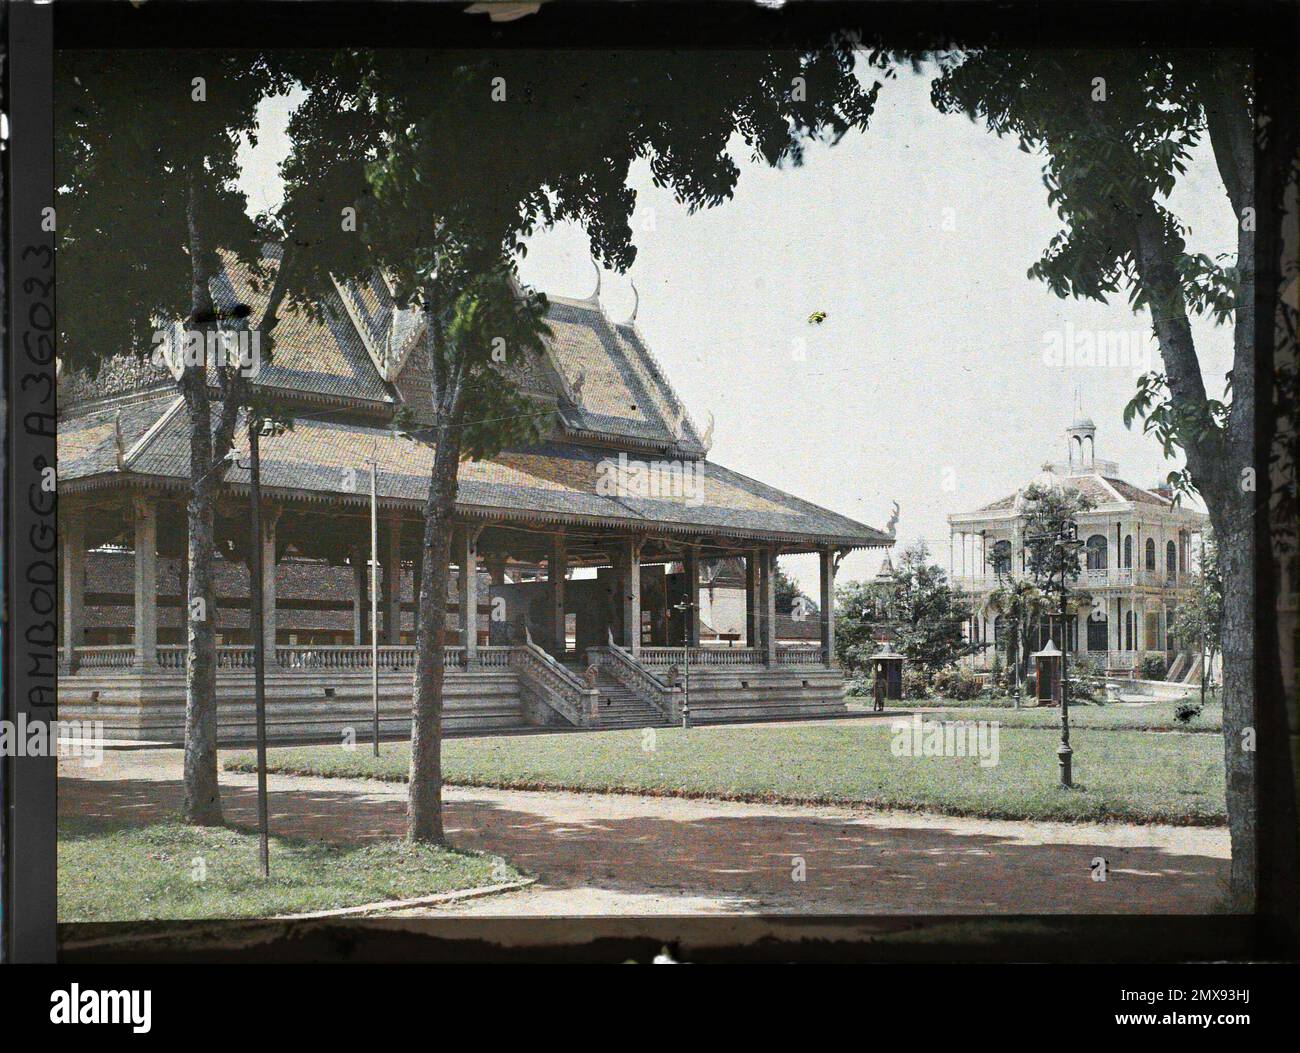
(576, 601)
(1138, 552)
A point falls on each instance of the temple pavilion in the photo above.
(575, 602)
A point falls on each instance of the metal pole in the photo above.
(374, 602)
(1063, 752)
(259, 646)
(686, 666)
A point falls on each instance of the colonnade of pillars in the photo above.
(144, 510)
(760, 593)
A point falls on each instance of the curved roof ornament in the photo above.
(891, 528)
(595, 296)
(636, 304)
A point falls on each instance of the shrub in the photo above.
(956, 684)
(1086, 665)
(859, 687)
(1152, 667)
(1186, 711)
(915, 685)
(1083, 689)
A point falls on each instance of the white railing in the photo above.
(107, 656)
(495, 656)
(1097, 578)
(800, 654)
(668, 656)
(172, 656)
(235, 656)
(344, 657)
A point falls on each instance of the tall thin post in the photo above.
(1064, 753)
(259, 645)
(374, 602)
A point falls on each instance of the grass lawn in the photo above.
(1124, 775)
(114, 872)
(1159, 716)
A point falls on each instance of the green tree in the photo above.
(1045, 512)
(1199, 618)
(477, 152)
(919, 607)
(787, 591)
(1115, 130)
(1048, 512)
(860, 615)
(146, 176)
(1022, 605)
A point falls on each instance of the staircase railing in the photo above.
(558, 687)
(622, 666)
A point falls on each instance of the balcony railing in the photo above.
(351, 658)
(1114, 576)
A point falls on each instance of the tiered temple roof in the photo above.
(349, 364)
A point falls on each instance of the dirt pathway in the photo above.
(615, 854)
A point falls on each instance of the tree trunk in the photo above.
(209, 445)
(1219, 460)
(202, 801)
(1230, 122)
(1235, 536)
(424, 804)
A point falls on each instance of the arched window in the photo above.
(999, 630)
(1171, 560)
(1096, 552)
(1098, 631)
(1002, 558)
(1128, 550)
(1151, 553)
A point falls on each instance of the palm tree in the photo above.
(1022, 603)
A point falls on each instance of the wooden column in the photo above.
(270, 517)
(360, 596)
(631, 584)
(72, 580)
(767, 604)
(146, 582)
(556, 569)
(393, 584)
(752, 604)
(417, 579)
(691, 571)
(468, 560)
(826, 558)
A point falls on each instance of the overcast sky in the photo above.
(928, 383)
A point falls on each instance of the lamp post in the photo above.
(258, 426)
(685, 607)
(374, 604)
(1066, 538)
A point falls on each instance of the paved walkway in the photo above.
(619, 854)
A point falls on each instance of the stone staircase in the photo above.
(621, 707)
